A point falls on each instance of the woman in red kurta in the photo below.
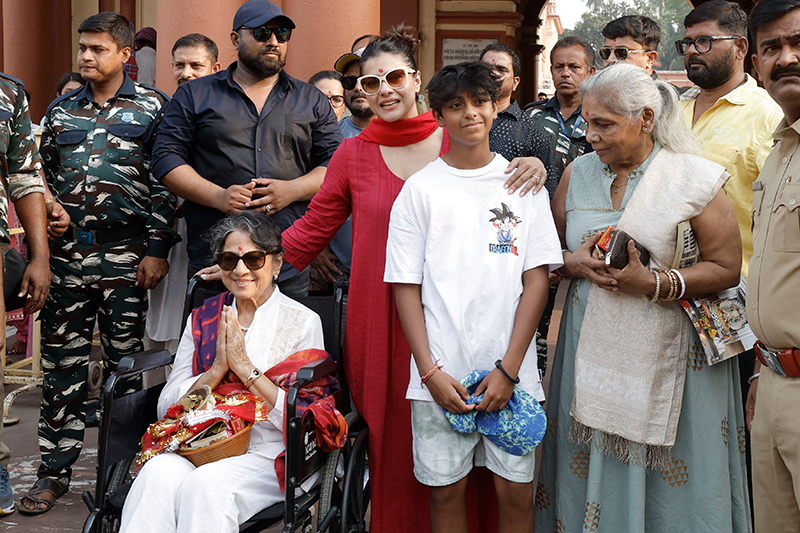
(363, 178)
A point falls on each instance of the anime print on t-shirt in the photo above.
(505, 222)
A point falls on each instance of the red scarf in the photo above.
(401, 132)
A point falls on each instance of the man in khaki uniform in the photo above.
(774, 280)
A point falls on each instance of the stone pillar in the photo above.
(325, 31)
(37, 47)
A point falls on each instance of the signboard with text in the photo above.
(458, 50)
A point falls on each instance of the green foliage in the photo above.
(669, 15)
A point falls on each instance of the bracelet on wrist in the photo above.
(49, 200)
(435, 368)
(657, 274)
(752, 378)
(682, 283)
(499, 365)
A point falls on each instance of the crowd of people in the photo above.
(263, 186)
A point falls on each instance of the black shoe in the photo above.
(92, 413)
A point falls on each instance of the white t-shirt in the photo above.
(467, 241)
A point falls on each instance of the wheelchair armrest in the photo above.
(144, 361)
(316, 370)
(310, 372)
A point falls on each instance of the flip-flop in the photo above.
(46, 484)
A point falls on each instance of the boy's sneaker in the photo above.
(6, 494)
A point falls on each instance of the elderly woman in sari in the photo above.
(258, 328)
(644, 434)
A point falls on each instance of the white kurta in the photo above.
(172, 495)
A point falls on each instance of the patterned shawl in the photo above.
(630, 364)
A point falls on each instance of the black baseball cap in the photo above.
(256, 13)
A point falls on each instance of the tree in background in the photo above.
(669, 15)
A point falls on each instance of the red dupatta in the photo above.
(401, 132)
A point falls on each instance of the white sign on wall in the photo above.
(458, 50)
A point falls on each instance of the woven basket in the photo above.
(230, 447)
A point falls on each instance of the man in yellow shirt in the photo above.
(732, 117)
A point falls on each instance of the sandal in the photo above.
(45, 484)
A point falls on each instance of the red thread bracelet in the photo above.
(436, 367)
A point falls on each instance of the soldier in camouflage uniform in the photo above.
(96, 154)
(22, 184)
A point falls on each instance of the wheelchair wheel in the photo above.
(356, 490)
(120, 475)
(329, 489)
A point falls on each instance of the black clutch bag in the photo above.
(617, 253)
(14, 266)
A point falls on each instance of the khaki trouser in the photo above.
(776, 454)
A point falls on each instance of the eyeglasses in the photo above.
(349, 82)
(620, 53)
(263, 33)
(396, 79)
(252, 260)
(702, 44)
(336, 100)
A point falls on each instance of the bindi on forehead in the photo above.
(380, 70)
(240, 248)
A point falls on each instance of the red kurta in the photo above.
(377, 355)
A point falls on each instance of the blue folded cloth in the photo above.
(518, 428)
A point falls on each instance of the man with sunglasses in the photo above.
(349, 66)
(632, 39)
(248, 137)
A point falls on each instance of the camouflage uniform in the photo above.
(97, 164)
(19, 171)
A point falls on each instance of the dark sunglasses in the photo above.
(349, 82)
(702, 44)
(252, 260)
(263, 33)
(620, 53)
(396, 79)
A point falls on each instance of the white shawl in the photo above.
(630, 363)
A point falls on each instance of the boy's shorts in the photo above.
(443, 456)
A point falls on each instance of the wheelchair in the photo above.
(129, 402)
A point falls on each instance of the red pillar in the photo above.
(37, 47)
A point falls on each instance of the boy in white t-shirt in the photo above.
(470, 265)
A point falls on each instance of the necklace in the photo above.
(244, 329)
(632, 175)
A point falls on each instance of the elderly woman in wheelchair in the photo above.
(251, 338)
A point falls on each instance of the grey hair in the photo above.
(626, 90)
(259, 227)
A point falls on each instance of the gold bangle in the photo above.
(673, 286)
(49, 200)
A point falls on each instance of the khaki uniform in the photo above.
(773, 290)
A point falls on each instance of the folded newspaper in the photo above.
(720, 320)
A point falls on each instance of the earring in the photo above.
(645, 128)
(275, 277)
(421, 97)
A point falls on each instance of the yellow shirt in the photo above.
(774, 282)
(737, 133)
